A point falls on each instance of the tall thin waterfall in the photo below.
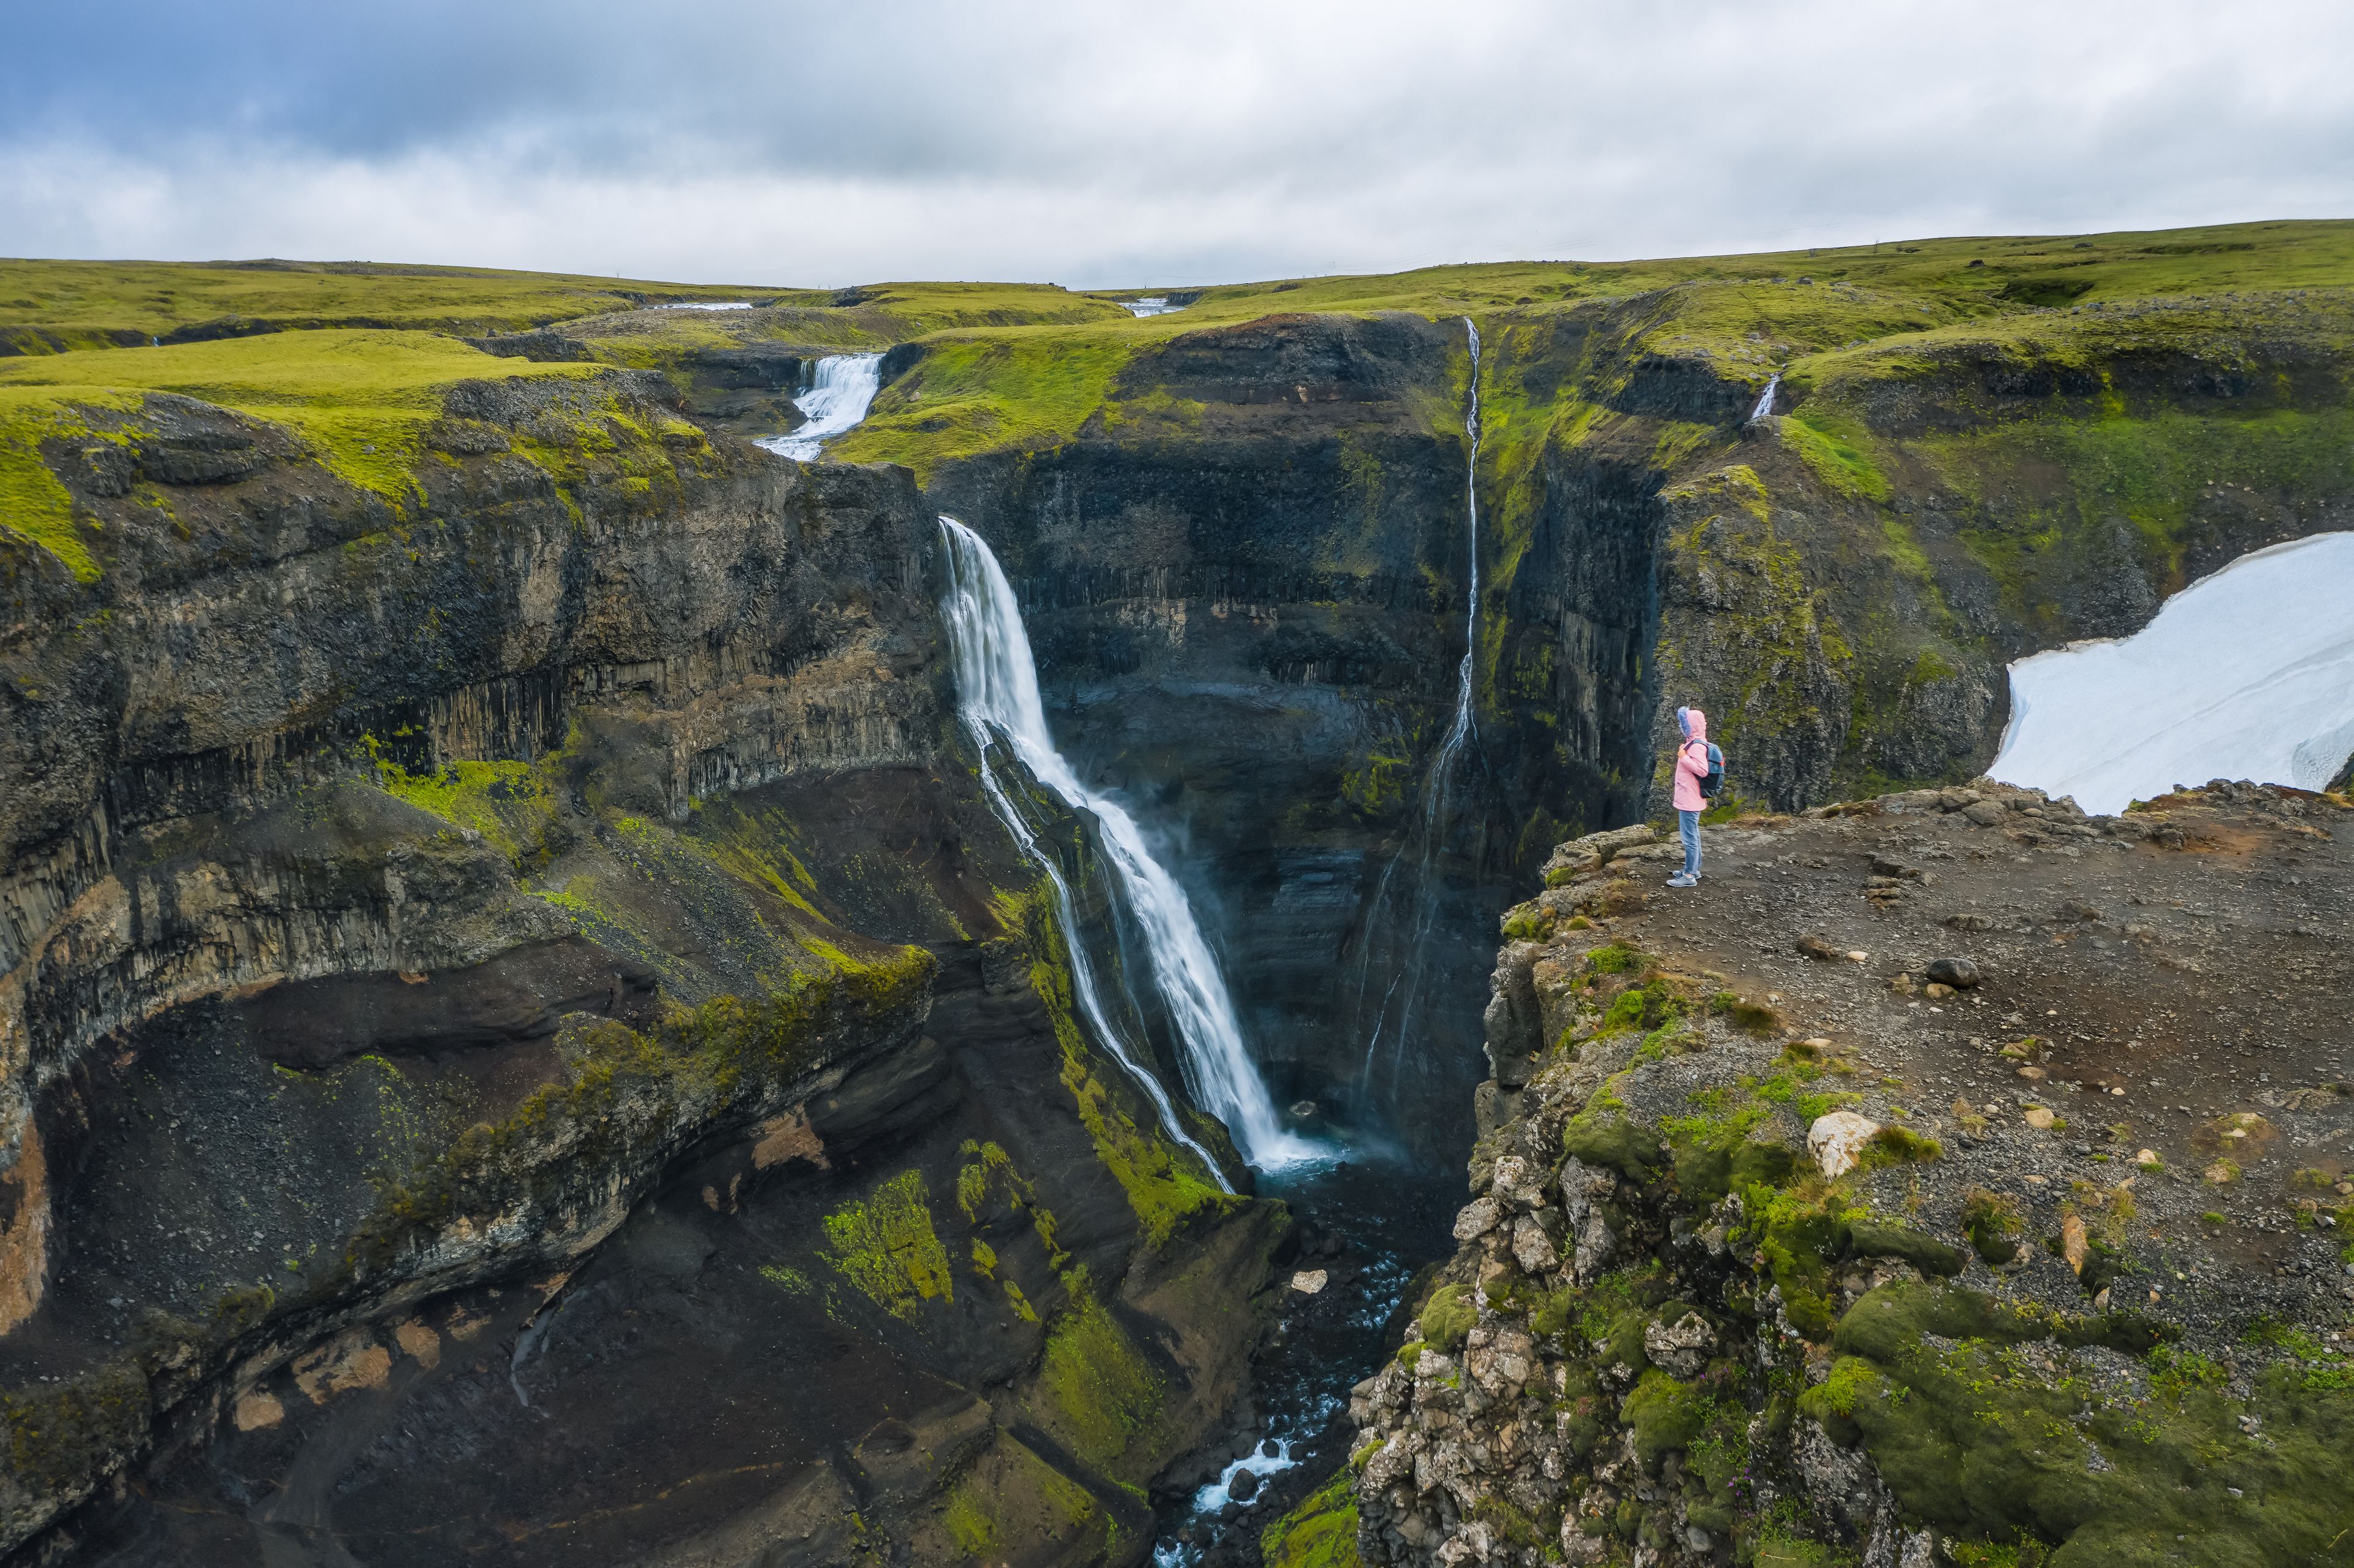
(1765, 398)
(997, 697)
(1436, 784)
(838, 398)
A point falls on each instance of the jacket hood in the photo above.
(1694, 723)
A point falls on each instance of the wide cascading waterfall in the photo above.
(1393, 1015)
(839, 396)
(997, 698)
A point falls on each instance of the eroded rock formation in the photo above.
(523, 1043)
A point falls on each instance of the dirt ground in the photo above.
(2161, 1000)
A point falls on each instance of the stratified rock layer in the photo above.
(523, 1043)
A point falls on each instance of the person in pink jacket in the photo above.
(1691, 766)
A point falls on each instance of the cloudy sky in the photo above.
(1093, 144)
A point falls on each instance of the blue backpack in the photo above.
(1715, 781)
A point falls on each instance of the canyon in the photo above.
(518, 994)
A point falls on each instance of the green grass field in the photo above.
(349, 354)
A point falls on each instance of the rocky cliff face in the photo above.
(520, 1038)
(1244, 583)
(1247, 568)
(1736, 1285)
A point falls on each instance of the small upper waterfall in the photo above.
(997, 697)
(837, 399)
(1461, 729)
(1435, 783)
(1765, 398)
(1150, 305)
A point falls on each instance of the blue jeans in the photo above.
(1688, 824)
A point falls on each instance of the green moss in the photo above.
(1837, 451)
(1320, 1532)
(1164, 1185)
(1611, 959)
(508, 803)
(1023, 388)
(1010, 1499)
(887, 1248)
(1446, 1318)
(33, 505)
(1664, 1413)
(1993, 1223)
(1606, 1139)
(1980, 1440)
(1098, 1394)
(1873, 1238)
(359, 400)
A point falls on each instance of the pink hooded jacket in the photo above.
(1691, 760)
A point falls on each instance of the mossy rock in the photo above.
(1610, 1139)
(1320, 1532)
(1705, 1174)
(1872, 1238)
(1448, 1317)
(1664, 1414)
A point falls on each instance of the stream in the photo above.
(1369, 1222)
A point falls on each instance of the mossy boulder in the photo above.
(1875, 1238)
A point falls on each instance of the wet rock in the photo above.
(1244, 1486)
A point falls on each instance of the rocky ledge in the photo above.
(1951, 1177)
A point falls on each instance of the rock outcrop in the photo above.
(1737, 1285)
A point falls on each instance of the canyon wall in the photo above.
(524, 1041)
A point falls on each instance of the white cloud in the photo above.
(1207, 139)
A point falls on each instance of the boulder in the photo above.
(1681, 1349)
(1478, 1218)
(1837, 1140)
(1531, 1248)
(1960, 973)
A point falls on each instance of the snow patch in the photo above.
(2247, 673)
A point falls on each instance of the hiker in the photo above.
(1691, 772)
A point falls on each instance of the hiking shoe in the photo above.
(1683, 879)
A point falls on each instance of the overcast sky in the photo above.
(1205, 139)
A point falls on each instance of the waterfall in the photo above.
(997, 698)
(1150, 305)
(1765, 398)
(837, 399)
(1437, 781)
(1461, 729)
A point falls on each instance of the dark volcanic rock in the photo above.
(502, 1060)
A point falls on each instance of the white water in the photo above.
(1435, 783)
(844, 387)
(2248, 673)
(997, 697)
(1211, 1500)
(1765, 398)
(1150, 305)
